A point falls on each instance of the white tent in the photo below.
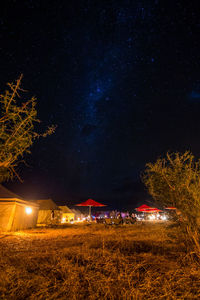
(49, 212)
(15, 212)
(67, 214)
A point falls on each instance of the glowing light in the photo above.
(152, 217)
(63, 220)
(28, 210)
(164, 218)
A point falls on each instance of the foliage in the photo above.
(175, 181)
(17, 122)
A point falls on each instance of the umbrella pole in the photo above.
(90, 211)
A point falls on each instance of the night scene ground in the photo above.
(94, 262)
(120, 79)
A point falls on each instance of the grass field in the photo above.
(140, 261)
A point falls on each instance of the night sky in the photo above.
(121, 81)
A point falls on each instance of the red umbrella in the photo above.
(90, 203)
(151, 210)
(148, 209)
(170, 207)
(144, 207)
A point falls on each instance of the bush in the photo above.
(175, 181)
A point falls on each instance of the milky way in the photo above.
(121, 81)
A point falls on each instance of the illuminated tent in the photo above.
(77, 214)
(67, 214)
(15, 212)
(49, 212)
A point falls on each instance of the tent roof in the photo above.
(7, 201)
(47, 204)
(66, 209)
(76, 211)
(5, 193)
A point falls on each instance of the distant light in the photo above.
(63, 220)
(152, 217)
(28, 210)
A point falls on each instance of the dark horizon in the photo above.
(120, 81)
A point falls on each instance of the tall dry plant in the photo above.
(17, 128)
(175, 181)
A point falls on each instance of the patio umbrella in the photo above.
(144, 208)
(90, 203)
(151, 210)
(171, 207)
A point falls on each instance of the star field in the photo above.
(120, 80)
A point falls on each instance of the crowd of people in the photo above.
(131, 218)
(118, 218)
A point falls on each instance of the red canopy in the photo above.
(152, 210)
(144, 207)
(90, 202)
(171, 207)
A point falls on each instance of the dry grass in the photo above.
(97, 262)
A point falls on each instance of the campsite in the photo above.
(99, 150)
(51, 252)
(54, 252)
